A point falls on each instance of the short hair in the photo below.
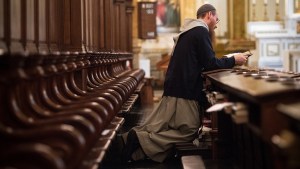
(201, 12)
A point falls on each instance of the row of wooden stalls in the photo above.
(66, 77)
(254, 119)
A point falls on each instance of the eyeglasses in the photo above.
(248, 53)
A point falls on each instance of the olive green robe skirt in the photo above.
(174, 120)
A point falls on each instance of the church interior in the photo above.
(76, 74)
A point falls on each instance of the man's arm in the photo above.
(210, 61)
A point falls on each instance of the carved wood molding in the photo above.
(119, 1)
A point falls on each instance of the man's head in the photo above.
(208, 14)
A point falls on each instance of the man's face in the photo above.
(213, 21)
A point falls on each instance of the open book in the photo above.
(247, 53)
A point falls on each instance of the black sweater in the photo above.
(192, 55)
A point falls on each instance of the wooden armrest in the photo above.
(102, 144)
(108, 134)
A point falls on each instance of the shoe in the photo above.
(131, 145)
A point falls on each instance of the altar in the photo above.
(275, 39)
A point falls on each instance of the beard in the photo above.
(212, 36)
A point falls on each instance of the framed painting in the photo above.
(167, 16)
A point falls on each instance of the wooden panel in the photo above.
(54, 25)
(1, 19)
(146, 20)
(109, 25)
(129, 11)
(30, 20)
(88, 25)
(15, 19)
(76, 30)
(84, 23)
(101, 25)
(117, 26)
(15, 25)
(95, 9)
(72, 39)
(67, 24)
(42, 20)
(123, 31)
(3, 46)
(23, 24)
(42, 26)
(30, 26)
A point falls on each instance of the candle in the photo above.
(253, 2)
(277, 1)
(266, 1)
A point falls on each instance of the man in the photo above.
(177, 117)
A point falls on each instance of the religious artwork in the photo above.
(168, 16)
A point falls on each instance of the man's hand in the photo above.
(240, 59)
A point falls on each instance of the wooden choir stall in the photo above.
(255, 115)
(65, 79)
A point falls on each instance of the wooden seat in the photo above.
(192, 162)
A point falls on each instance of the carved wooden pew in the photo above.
(63, 80)
(45, 107)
